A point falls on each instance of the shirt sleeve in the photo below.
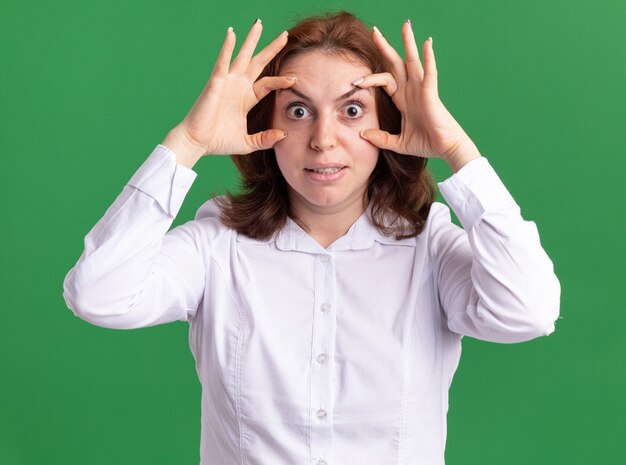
(133, 272)
(494, 280)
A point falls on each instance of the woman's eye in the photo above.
(297, 112)
(353, 110)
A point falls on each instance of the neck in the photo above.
(325, 226)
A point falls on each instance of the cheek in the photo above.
(287, 145)
(369, 158)
(284, 152)
(279, 151)
(369, 150)
(364, 149)
(292, 146)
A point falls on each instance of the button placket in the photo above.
(322, 382)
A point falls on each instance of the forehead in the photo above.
(317, 70)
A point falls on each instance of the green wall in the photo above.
(89, 88)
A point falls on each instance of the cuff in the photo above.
(473, 191)
(163, 179)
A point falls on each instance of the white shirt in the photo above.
(316, 356)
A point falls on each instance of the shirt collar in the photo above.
(361, 235)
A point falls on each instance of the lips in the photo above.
(325, 170)
(326, 174)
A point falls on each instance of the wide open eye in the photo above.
(297, 111)
(353, 110)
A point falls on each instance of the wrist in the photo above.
(187, 152)
(461, 155)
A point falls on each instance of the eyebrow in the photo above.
(305, 97)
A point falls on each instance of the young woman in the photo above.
(327, 300)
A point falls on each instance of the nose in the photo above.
(324, 135)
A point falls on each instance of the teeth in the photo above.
(325, 170)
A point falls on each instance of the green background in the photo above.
(89, 88)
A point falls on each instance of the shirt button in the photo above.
(321, 358)
(324, 258)
(324, 308)
(321, 414)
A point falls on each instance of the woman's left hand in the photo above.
(428, 129)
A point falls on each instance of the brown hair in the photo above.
(401, 189)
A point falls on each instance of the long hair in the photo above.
(400, 189)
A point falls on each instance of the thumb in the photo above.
(265, 139)
(382, 139)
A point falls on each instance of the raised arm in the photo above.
(133, 272)
(495, 281)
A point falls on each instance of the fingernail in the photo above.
(376, 30)
(230, 29)
(362, 134)
(358, 81)
(430, 39)
(258, 20)
(284, 134)
(286, 33)
(291, 78)
(408, 21)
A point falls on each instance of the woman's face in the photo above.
(325, 161)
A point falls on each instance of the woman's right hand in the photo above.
(216, 124)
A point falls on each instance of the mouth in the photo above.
(326, 174)
(331, 170)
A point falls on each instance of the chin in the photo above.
(331, 201)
